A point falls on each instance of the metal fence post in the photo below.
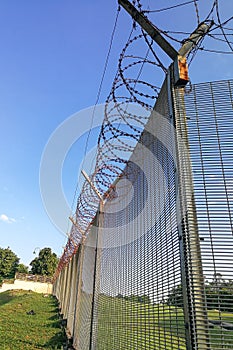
(96, 277)
(195, 311)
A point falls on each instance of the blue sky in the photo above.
(51, 63)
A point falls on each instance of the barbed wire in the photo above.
(221, 26)
(171, 7)
(98, 93)
(121, 128)
(216, 30)
(197, 11)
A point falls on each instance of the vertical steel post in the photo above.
(195, 311)
(76, 284)
(179, 210)
(67, 290)
(96, 277)
(73, 290)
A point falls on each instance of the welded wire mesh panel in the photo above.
(72, 300)
(210, 129)
(64, 276)
(67, 291)
(139, 259)
(56, 286)
(84, 301)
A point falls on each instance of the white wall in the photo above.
(37, 287)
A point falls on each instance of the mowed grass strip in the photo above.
(38, 330)
(127, 325)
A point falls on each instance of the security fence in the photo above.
(154, 269)
(210, 124)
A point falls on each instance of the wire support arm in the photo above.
(149, 27)
(194, 38)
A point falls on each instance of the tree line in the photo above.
(218, 292)
(44, 264)
(144, 299)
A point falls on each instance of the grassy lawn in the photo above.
(140, 326)
(131, 325)
(19, 330)
(219, 336)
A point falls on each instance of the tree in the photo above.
(8, 263)
(120, 296)
(21, 268)
(144, 299)
(219, 294)
(45, 263)
(175, 296)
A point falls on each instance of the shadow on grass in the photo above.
(5, 297)
(57, 341)
(54, 317)
(55, 324)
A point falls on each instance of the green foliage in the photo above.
(129, 325)
(175, 297)
(219, 294)
(8, 263)
(21, 268)
(144, 299)
(45, 263)
(120, 296)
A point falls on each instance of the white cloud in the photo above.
(5, 218)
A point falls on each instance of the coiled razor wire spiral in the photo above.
(120, 131)
(121, 128)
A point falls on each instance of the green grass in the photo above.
(19, 331)
(139, 326)
(130, 325)
(218, 335)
